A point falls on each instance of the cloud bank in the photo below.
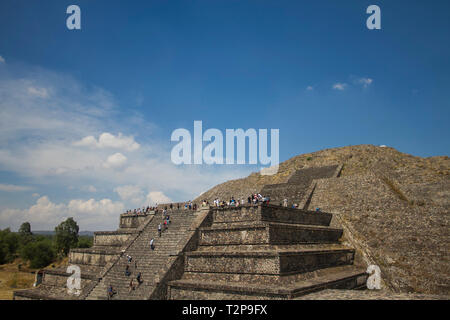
(57, 134)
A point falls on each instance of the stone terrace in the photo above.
(252, 251)
(294, 190)
(108, 245)
(266, 252)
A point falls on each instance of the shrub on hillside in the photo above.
(9, 243)
(85, 242)
(39, 254)
(66, 236)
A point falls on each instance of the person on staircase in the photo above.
(152, 244)
(139, 278)
(131, 286)
(159, 230)
(127, 271)
(110, 291)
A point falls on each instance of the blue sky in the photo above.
(309, 68)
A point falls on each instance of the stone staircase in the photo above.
(266, 252)
(294, 190)
(107, 247)
(54, 285)
(152, 264)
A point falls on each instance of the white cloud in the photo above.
(88, 141)
(115, 160)
(37, 144)
(309, 88)
(107, 140)
(45, 214)
(2, 60)
(38, 92)
(91, 189)
(35, 195)
(131, 194)
(365, 82)
(155, 197)
(339, 86)
(13, 188)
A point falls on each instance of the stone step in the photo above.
(150, 262)
(268, 262)
(268, 233)
(195, 290)
(269, 247)
(97, 256)
(264, 279)
(44, 293)
(112, 238)
(268, 213)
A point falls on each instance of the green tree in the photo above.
(25, 234)
(9, 243)
(3, 253)
(39, 254)
(25, 229)
(66, 236)
(85, 242)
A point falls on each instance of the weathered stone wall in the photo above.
(241, 235)
(236, 214)
(307, 262)
(111, 238)
(57, 279)
(268, 233)
(132, 220)
(297, 185)
(193, 294)
(225, 291)
(288, 215)
(231, 262)
(410, 243)
(91, 256)
(259, 279)
(19, 297)
(269, 213)
(275, 263)
(288, 234)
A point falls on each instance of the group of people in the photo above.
(134, 281)
(163, 226)
(254, 198)
(144, 210)
(189, 205)
(258, 198)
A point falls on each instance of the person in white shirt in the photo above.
(152, 245)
